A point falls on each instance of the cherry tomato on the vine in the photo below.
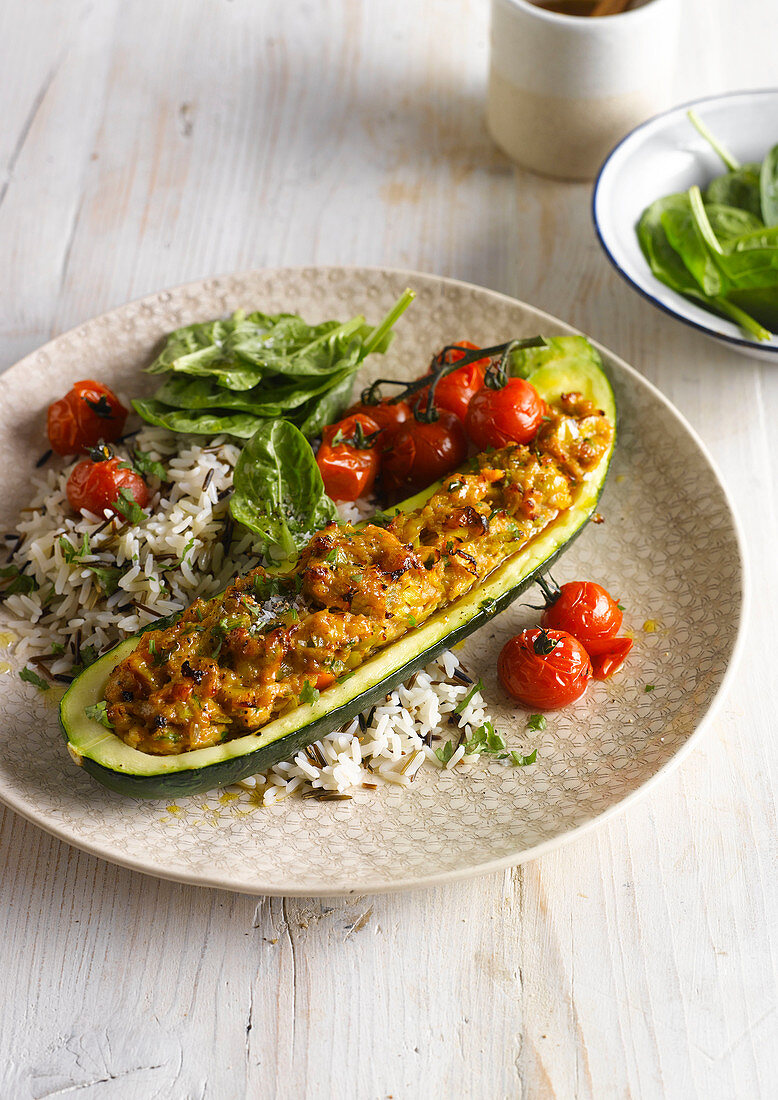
(511, 414)
(545, 669)
(88, 414)
(454, 390)
(387, 416)
(348, 457)
(420, 452)
(95, 486)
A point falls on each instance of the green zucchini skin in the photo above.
(224, 772)
(140, 775)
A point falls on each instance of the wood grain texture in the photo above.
(147, 144)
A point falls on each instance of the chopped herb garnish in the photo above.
(337, 557)
(87, 655)
(108, 577)
(20, 582)
(382, 519)
(99, 713)
(69, 551)
(454, 485)
(445, 752)
(649, 687)
(147, 466)
(621, 607)
(180, 561)
(309, 694)
(411, 620)
(128, 507)
(266, 587)
(57, 648)
(520, 761)
(460, 707)
(31, 677)
(537, 722)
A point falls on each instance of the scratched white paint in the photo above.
(150, 143)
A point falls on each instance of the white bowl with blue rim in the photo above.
(666, 155)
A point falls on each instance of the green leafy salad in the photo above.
(273, 381)
(720, 247)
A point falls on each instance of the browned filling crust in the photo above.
(229, 665)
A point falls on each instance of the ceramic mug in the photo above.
(564, 89)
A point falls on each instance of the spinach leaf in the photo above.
(668, 266)
(228, 376)
(740, 188)
(721, 251)
(245, 349)
(214, 422)
(766, 237)
(191, 343)
(278, 489)
(267, 399)
(662, 258)
(768, 187)
(718, 147)
(328, 407)
(729, 223)
(760, 303)
(684, 234)
(755, 267)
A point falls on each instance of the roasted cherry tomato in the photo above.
(546, 669)
(349, 457)
(95, 486)
(585, 610)
(88, 415)
(453, 391)
(607, 661)
(511, 414)
(420, 452)
(386, 415)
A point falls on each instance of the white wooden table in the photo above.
(148, 143)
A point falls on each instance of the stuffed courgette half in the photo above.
(240, 682)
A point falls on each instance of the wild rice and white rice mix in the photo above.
(75, 585)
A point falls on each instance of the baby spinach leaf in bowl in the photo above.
(720, 249)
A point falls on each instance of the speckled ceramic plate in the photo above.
(669, 547)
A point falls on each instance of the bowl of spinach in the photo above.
(686, 209)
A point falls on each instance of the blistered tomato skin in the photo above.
(588, 612)
(455, 390)
(97, 486)
(89, 414)
(544, 669)
(607, 661)
(386, 414)
(347, 468)
(511, 414)
(421, 452)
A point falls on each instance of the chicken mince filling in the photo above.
(229, 665)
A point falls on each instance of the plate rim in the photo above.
(110, 855)
(766, 350)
